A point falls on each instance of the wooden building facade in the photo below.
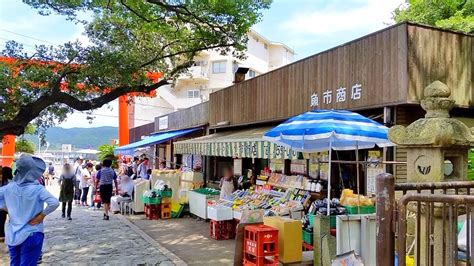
(381, 75)
(390, 67)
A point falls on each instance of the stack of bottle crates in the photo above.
(166, 208)
(152, 211)
(222, 230)
(260, 245)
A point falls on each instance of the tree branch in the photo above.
(156, 58)
(30, 111)
(135, 12)
(181, 10)
(98, 102)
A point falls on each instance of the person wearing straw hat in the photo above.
(24, 200)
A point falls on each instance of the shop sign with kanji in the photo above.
(340, 95)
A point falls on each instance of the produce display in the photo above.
(348, 198)
(274, 202)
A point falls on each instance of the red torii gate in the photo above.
(8, 141)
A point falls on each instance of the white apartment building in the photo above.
(211, 72)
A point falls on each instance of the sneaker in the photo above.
(63, 216)
(69, 218)
(107, 217)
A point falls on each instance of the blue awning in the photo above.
(154, 139)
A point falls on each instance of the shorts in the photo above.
(106, 193)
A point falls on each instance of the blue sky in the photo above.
(312, 26)
(307, 26)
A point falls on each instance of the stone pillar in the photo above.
(429, 142)
(425, 165)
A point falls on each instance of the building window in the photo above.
(200, 63)
(194, 94)
(252, 74)
(265, 46)
(219, 67)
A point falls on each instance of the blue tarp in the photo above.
(152, 140)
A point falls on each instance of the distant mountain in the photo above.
(79, 138)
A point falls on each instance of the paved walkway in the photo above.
(189, 239)
(88, 239)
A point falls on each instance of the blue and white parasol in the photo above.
(322, 130)
(317, 130)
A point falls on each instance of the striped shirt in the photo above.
(106, 176)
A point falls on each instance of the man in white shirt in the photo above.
(77, 189)
(85, 182)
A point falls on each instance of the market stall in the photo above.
(321, 130)
(330, 130)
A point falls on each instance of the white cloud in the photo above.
(104, 116)
(372, 15)
(82, 38)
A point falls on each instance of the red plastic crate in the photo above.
(250, 260)
(222, 230)
(231, 229)
(152, 212)
(307, 247)
(261, 240)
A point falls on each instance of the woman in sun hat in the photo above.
(24, 199)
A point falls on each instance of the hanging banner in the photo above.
(239, 149)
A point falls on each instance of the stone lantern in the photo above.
(437, 150)
(437, 145)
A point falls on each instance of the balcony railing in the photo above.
(196, 73)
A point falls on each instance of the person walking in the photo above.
(85, 182)
(94, 187)
(24, 200)
(67, 182)
(106, 177)
(51, 173)
(77, 186)
(7, 176)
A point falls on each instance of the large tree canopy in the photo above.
(447, 14)
(130, 41)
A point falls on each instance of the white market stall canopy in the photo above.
(242, 144)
